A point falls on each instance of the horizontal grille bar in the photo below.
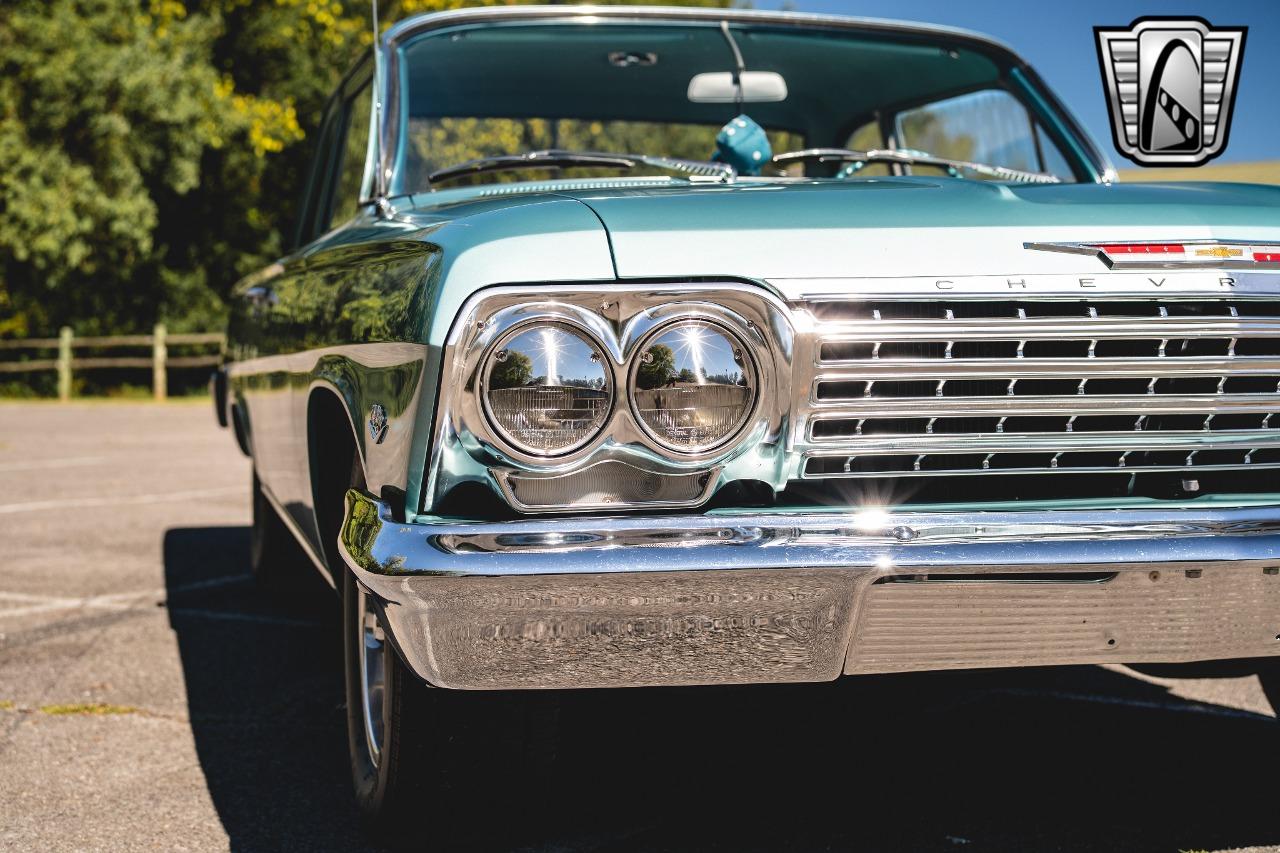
(1033, 368)
(949, 472)
(1049, 328)
(1146, 404)
(1055, 442)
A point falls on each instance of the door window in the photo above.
(353, 152)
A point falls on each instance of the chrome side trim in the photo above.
(760, 597)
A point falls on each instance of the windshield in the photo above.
(623, 87)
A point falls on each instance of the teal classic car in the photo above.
(627, 347)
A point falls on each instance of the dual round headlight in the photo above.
(548, 391)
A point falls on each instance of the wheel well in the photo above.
(335, 466)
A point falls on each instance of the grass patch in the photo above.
(7, 705)
(95, 709)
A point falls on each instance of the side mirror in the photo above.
(718, 87)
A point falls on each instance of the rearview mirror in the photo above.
(717, 87)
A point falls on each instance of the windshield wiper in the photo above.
(914, 158)
(557, 158)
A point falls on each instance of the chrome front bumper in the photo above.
(771, 597)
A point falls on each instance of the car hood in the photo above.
(910, 226)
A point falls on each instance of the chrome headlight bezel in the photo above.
(618, 319)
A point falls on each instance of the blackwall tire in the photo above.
(422, 756)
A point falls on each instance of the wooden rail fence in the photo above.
(159, 361)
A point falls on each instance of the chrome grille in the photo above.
(933, 389)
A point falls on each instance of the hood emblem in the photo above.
(1179, 254)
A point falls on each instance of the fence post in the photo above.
(159, 353)
(64, 363)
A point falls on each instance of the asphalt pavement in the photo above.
(152, 699)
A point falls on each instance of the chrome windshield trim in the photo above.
(410, 27)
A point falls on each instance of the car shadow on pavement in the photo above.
(264, 695)
(1071, 758)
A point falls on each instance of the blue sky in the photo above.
(1057, 39)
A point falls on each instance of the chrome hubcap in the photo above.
(373, 672)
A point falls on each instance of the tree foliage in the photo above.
(152, 151)
(516, 371)
(657, 368)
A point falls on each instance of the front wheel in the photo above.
(420, 754)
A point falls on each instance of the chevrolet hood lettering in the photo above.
(1193, 283)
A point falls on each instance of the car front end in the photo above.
(960, 472)
(823, 421)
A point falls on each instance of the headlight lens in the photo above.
(547, 389)
(693, 386)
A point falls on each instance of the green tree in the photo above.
(657, 368)
(127, 162)
(515, 372)
(152, 151)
